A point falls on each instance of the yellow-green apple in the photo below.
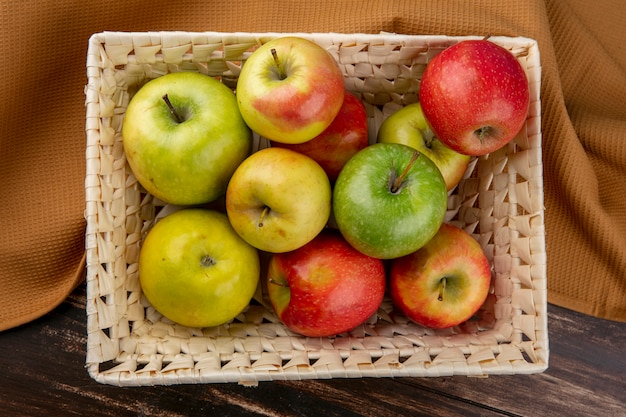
(326, 287)
(409, 127)
(389, 200)
(195, 270)
(278, 199)
(475, 96)
(444, 283)
(290, 89)
(346, 135)
(184, 136)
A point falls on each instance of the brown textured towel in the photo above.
(42, 142)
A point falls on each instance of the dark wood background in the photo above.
(43, 374)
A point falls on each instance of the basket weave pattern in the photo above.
(500, 202)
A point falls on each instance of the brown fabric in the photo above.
(43, 47)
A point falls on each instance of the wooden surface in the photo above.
(43, 374)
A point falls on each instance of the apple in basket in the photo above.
(326, 287)
(183, 137)
(290, 89)
(346, 135)
(389, 200)
(409, 127)
(475, 96)
(195, 270)
(444, 283)
(278, 199)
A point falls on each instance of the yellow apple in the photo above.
(195, 270)
(408, 126)
(278, 199)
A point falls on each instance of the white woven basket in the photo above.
(500, 202)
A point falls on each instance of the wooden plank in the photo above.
(43, 374)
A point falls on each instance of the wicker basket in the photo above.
(500, 202)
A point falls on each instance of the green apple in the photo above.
(445, 282)
(389, 200)
(184, 136)
(408, 126)
(290, 90)
(278, 199)
(195, 270)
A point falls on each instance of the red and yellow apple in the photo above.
(290, 89)
(443, 283)
(326, 287)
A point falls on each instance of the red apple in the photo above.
(326, 287)
(475, 96)
(445, 282)
(345, 136)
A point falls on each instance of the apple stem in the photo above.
(263, 214)
(172, 109)
(281, 72)
(396, 186)
(280, 284)
(442, 288)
